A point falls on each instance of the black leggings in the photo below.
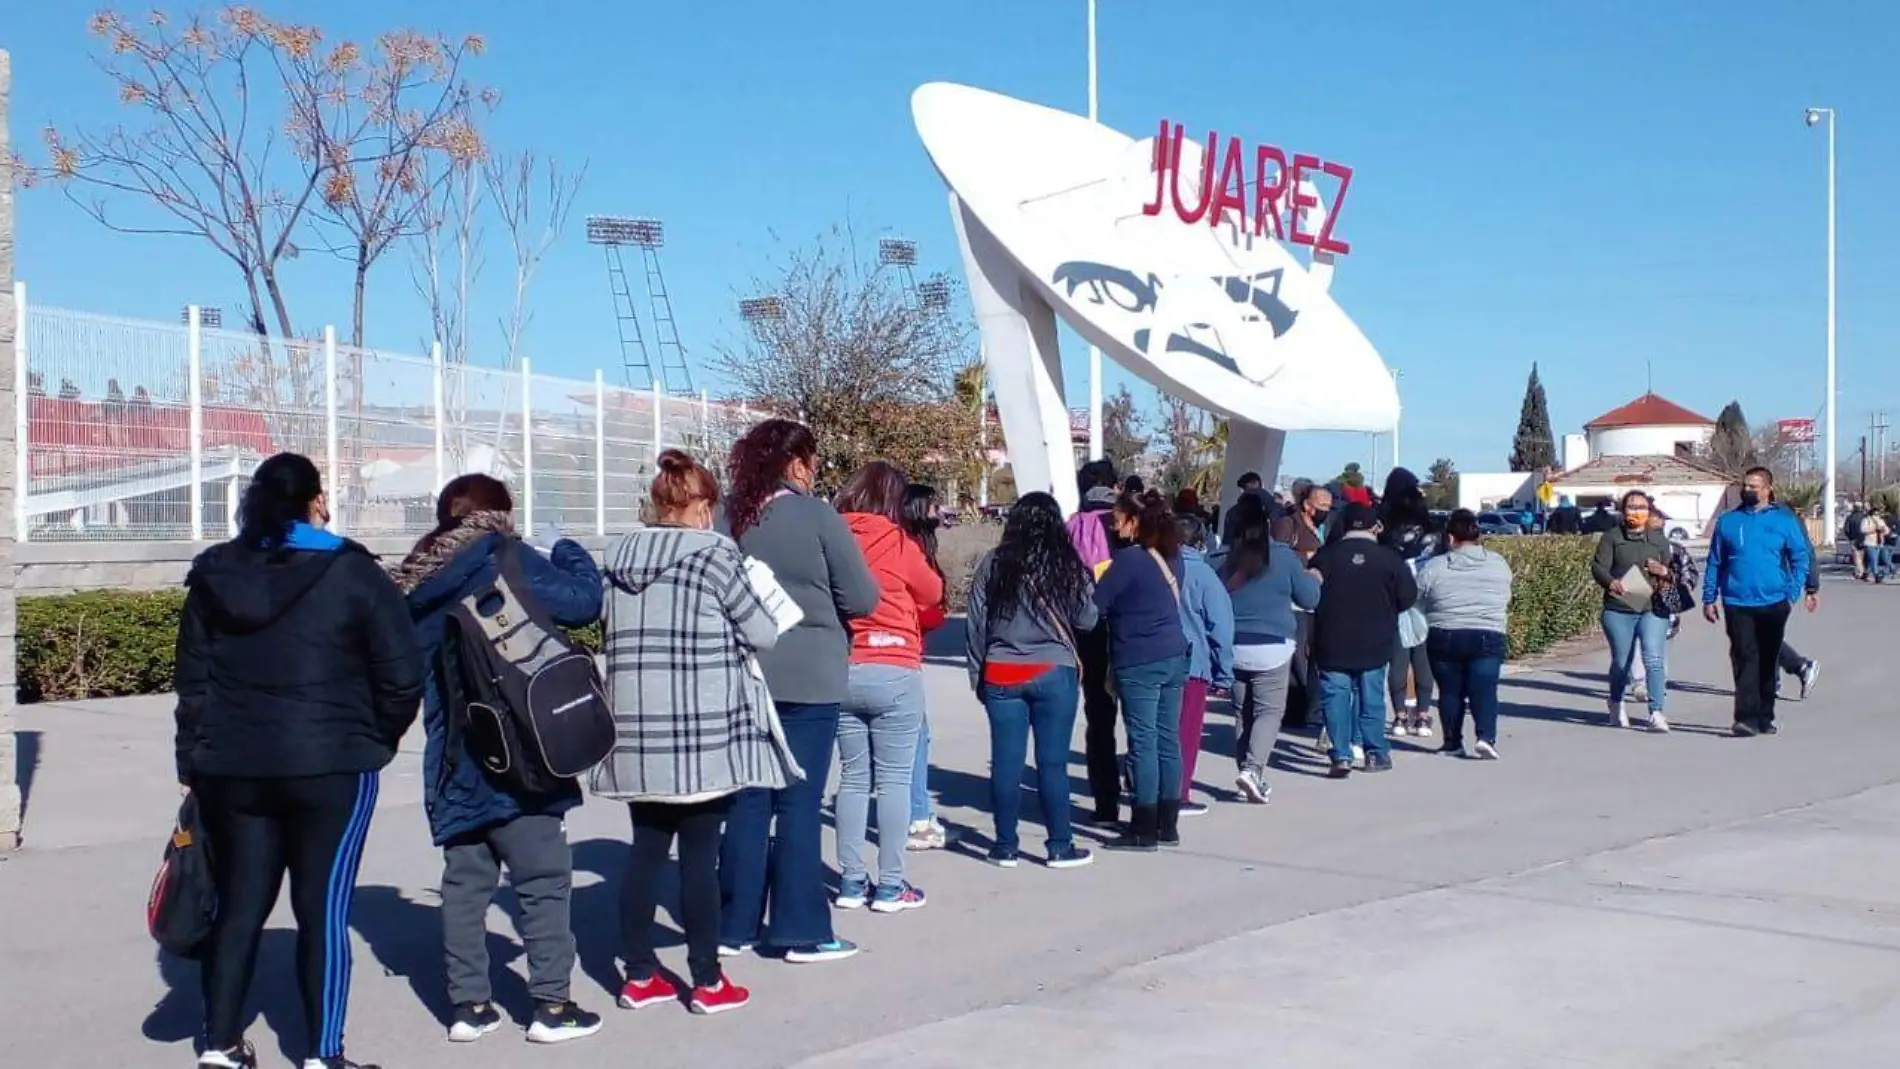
(655, 824)
(1100, 712)
(312, 827)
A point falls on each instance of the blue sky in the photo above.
(1622, 191)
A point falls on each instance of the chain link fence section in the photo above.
(108, 442)
(107, 446)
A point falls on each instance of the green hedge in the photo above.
(109, 643)
(1553, 597)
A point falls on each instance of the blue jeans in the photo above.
(1046, 706)
(877, 743)
(1151, 709)
(1354, 706)
(1466, 664)
(786, 866)
(1626, 631)
(920, 775)
(1879, 561)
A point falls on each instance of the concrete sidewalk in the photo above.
(1597, 898)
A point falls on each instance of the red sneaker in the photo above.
(655, 989)
(723, 996)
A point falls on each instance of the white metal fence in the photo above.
(138, 430)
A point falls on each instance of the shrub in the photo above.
(99, 644)
(1553, 597)
(111, 643)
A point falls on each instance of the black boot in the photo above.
(1168, 828)
(1140, 835)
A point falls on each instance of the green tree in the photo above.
(1535, 446)
(1441, 486)
(1732, 448)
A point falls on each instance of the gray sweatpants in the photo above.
(541, 871)
(1260, 701)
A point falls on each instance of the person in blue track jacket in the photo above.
(1758, 568)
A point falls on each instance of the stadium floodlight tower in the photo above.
(615, 232)
(933, 294)
(901, 253)
(209, 318)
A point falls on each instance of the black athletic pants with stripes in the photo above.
(313, 829)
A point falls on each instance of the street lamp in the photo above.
(1396, 376)
(1813, 118)
(1095, 353)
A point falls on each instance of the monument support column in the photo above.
(10, 807)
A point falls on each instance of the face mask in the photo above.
(1750, 499)
(1320, 515)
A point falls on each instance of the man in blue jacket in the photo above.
(1758, 567)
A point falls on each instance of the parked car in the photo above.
(1493, 523)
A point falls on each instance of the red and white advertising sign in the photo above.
(1798, 431)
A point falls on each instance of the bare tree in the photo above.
(534, 221)
(1193, 445)
(850, 351)
(447, 260)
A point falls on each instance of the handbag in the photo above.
(184, 901)
(1676, 596)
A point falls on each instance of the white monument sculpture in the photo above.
(1172, 256)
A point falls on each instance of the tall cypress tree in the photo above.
(1535, 446)
(1732, 448)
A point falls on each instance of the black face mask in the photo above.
(1319, 517)
(1750, 499)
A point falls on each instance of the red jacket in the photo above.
(906, 584)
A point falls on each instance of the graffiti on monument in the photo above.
(1141, 295)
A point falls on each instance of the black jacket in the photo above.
(1366, 586)
(280, 675)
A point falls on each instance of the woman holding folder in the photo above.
(1631, 562)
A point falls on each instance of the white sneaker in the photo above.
(1401, 728)
(1422, 728)
(1253, 788)
(1658, 723)
(1618, 715)
(1485, 751)
(1358, 753)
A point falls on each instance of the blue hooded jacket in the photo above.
(1757, 557)
(567, 584)
(1207, 618)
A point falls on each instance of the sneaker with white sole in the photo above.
(472, 1021)
(817, 953)
(1658, 723)
(1486, 751)
(1194, 809)
(338, 1062)
(238, 1057)
(926, 835)
(1073, 858)
(1358, 753)
(1253, 787)
(853, 894)
(1399, 728)
(1422, 727)
(1810, 672)
(721, 997)
(733, 950)
(898, 899)
(560, 1022)
(1618, 715)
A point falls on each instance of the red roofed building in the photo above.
(1647, 426)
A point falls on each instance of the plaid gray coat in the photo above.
(693, 717)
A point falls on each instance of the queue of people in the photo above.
(755, 630)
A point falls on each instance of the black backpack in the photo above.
(522, 698)
(1854, 527)
(184, 899)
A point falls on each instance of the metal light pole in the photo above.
(1095, 354)
(1396, 376)
(1814, 117)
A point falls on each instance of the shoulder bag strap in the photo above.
(1168, 574)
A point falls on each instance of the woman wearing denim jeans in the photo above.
(921, 521)
(1029, 598)
(884, 705)
(771, 860)
(1626, 553)
(1140, 597)
(1466, 597)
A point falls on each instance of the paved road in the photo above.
(1597, 898)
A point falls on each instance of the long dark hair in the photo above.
(279, 496)
(460, 496)
(1034, 562)
(1251, 554)
(757, 466)
(1403, 503)
(1154, 522)
(876, 489)
(921, 521)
